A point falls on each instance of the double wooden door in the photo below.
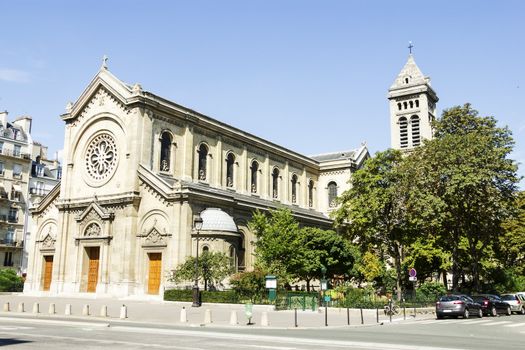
(48, 271)
(94, 258)
(155, 267)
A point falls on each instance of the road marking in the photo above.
(14, 328)
(289, 340)
(102, 341)
(479, 321)
(495, 323)
(515, 325)
(269, 347)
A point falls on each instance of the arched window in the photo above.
(230, 162)
(417, 103)
(403, 132)
(203, 161)
(405, 105)
(275, 183)
(205, 249)
(411, 104)
(332, 194)
(254, 169)
(165, 151)
(406, 80)
(399, 105)
(294, 188)
(233, 258)
(416, 136)
(311, 193)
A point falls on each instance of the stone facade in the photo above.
(412, 107)
(139, 168)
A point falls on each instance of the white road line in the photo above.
(515, 325)
(269, 347)
(495, 323)
(479, 321)
(283, 340)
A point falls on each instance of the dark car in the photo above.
(492, 304)
(457, 305)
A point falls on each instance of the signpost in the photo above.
(271, 285)
(412, 276)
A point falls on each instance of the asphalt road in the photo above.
(502, 332)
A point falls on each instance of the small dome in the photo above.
(214, 219)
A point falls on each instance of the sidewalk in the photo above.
(169, 313)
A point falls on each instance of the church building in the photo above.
(138, 169)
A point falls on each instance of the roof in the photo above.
(411, 71)
(334, 156)
(214, 219)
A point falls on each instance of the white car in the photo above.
(515, 301)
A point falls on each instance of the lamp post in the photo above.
(197, 223)
(324, 286)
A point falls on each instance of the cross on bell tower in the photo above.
(410, 46)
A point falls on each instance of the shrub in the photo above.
(250, 285)
(430, 291)
(207, 296)
(10, 281)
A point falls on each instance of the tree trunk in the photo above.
(308, 285)
(397, 259)
(455, 264)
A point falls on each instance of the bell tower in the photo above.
(412, 107)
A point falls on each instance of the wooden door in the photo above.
(48, 271)
(93, 255)
(155, 265)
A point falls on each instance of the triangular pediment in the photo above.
(409, 75)
(94, 209)
(104, 87)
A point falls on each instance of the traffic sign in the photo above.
(412, 272)
(412, 279)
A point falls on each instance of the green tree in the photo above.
(462, 187)
(294, 253)
(372, 211)
(250, 284)
(511, 244)
(213, 268)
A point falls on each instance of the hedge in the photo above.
(207, 296)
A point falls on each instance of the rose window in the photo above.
(101, 157)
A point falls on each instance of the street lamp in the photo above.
(197, 224)
(324, 287)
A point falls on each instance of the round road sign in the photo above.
(412, 272)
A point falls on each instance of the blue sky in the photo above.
(309, 75)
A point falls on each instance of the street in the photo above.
(487, 333)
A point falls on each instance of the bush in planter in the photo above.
(207, 296)
(10, 281)
(250, 285)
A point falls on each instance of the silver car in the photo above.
(515, 301)
(457, 305)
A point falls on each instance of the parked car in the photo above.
(515, 301)
(457, 305)
(492, 304)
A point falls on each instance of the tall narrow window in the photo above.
(230, 162)
(165, 151)
(203, 161)
(332, 194)
(399, 106)
(411, 104)
(416, 136)
(311, 193)
(233, 258)
(294, 188)
(405, 105)
(254, 169)
(275, 183)
(403, 132)
(417, 103)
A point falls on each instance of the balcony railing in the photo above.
(11, 243)
(11, 218)
(16, 154)
(38, 191)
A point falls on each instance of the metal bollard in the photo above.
(6, 307)
(123, 312)
(36, 308)
(348, 316)
(295, 316)
(67, 311)
(21, 307)
(362, 319)
(183, 316)
(377, 315)
(51, 309)
(404, 312)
